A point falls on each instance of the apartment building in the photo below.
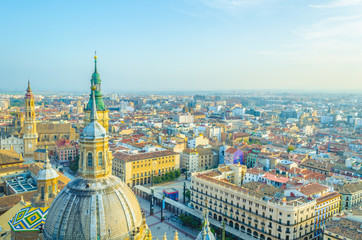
(197, 141)
(190, 160)
(326, 207)
(207, 158)
(254, 208)
(351, 195)
(184, 118)
(136, 167)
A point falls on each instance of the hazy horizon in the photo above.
(183, 45)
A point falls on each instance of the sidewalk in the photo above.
(158, 228)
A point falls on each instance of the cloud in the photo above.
(336, 27)
(339, 3)
(331, 41)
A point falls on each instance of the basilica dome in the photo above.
(104, 208)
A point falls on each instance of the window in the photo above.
(90, 160)
(42, 192)
(100, 159)
(50, 189)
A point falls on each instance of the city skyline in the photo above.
(183, 45)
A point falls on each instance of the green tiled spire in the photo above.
(96, 81)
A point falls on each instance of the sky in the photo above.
(182, 45)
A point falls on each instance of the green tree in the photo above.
(74, 165)
(188, 194)
(290, 148)
(169, 176)
(177, 173)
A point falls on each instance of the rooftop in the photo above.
(121, 156)
(312, 189)
(344, 227)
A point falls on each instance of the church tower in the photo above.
(95, 159)
(30, 135)
(102, 111)
(47, 184)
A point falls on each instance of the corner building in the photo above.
(256, 210)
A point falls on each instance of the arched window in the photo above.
(90, 160)
(100, 159)
(42, 192)
(50, 189)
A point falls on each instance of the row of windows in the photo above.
(231, 209)
(163, 170)
(227, 197)
(262, 227)
(90, 159)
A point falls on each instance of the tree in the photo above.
(190, 222)
(177, 173)
(290, 148)
(169, 176)
(74, 165)
(188, 194)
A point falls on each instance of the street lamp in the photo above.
(153, 172)
(184, 192)
(152, 202)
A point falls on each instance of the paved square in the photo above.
(169, 226)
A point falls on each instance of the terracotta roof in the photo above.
(189, 150)
(328, 196)
(10, 157)
(8, 202)
(312, 189)
(231, 150)
(240, 134)
(140, 156)
(345, 228)
(53, 128)
(276, 178)
(349, 188)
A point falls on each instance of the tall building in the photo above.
(102, 111)
(190, 160)
(30, 134)
(96, 205)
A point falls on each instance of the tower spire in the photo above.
(95, 61)
(93, 113)
(47, 164)
(28, 89)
